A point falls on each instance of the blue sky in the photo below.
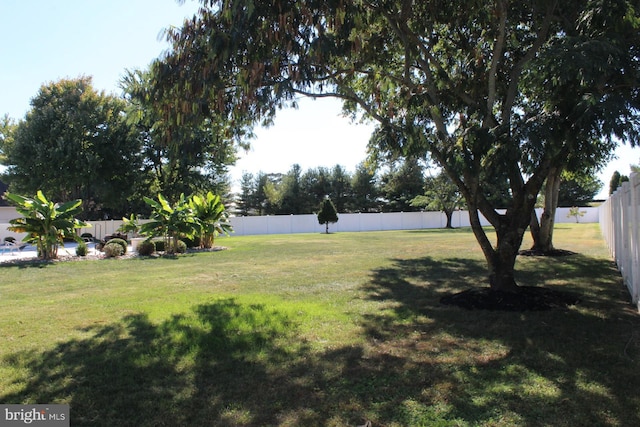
(46, 40)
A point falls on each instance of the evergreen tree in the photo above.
(327, 214)
(365, 191)
(290, 192)
(616, 181)
(578, 189)
(244, 201)
(401, 185)
(340, 187)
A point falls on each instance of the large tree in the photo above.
(316, 185)
(7, 128)
(578, 189)
(291, 192)
(445, 78)
(188, 157)
(364, 189)
(244, 199)
(340, 188)
(74, 143)
(400, 184)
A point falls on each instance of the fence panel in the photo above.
(285, 224)
(619, 220)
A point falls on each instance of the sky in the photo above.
(47, 40)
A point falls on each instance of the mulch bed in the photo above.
(527, 298)
(552, 253)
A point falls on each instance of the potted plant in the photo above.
(131, 227)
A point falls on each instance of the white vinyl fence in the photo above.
(288, 224)
(620, 223)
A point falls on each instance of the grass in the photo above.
(321, 330)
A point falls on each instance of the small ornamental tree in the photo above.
(576, 213)
(327, 214)
(441, 194)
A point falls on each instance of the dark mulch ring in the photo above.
(554, 252)
(527, 298)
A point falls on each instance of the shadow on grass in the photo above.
(222, 364)
(227, 363)
(576, 366)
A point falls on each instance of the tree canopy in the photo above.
(328, 214)
(440, 194)
(187, 158)
(499, 90)
(74, 143)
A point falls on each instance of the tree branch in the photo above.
(496, 57)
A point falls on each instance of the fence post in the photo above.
(620, 226)
(634, 243)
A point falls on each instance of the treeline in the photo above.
(405, 185)
(302, 192)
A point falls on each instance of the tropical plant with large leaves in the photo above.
(212, 217)
(46, 223)
(170, 221)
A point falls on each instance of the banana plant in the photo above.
(130, 225)
(170, 222)
(45, 222)
(212, 217)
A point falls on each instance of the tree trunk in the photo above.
(501, 260)
(534, 228)
(327, 228)
(449, 215)
(543, 239)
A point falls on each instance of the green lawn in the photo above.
(326, 330)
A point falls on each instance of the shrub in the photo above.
(116, 236)
(159, 245)
(191, 242)
(82, 249)
(120, 242)
(146, 248)
(180, 248)
(162, 247)
(112, 250)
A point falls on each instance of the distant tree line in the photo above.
(402, 185)
(302, 192)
